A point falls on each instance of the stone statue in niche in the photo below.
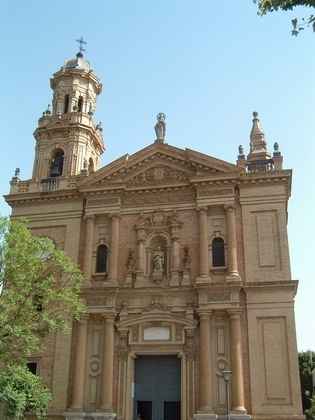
(158, 258)
(186, 267)
(158, 261)
(186, 259)
(131, 261)
(131, 268)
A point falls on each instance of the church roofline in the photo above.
(185, 155)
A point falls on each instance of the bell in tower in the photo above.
(67, 136)
(57, 164)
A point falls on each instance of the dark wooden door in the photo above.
(158, 380)
(144, 410)
(171, 410)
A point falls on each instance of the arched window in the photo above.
(56, 166)
(218, 256)
(80, 104)
(66, 104)
(101, 259)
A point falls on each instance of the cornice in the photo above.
(67, 125)
(290, 284)
(22, 198)
(89, 75)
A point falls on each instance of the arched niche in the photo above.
(56, 163)
(158, 255)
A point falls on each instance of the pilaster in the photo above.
(89, 236)
(79, 365)
(233, 273)
(204, 276)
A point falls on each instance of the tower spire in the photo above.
(257, 136)
(81, 43)
(258, 144)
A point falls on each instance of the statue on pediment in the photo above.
(160, 128)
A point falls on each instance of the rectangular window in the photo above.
(32, 367)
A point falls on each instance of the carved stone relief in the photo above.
(189, 346)
(139, 199)
(160, 174)
(94, 360)
(222, 359)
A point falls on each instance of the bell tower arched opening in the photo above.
(56, 166)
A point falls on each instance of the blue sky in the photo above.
(207, 64)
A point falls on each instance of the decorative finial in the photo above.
(99, 126)
(81, 43)
(48, 111)
(17, 172)
(276, 150)
(255, 115)
(241, 150)
(160, 128)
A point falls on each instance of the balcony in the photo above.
(49, 184)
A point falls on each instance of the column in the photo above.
(79, 365)
(238, 401)
(89, 235)
(114, 248)
(232, 242)
(175, 262)
(204, 245)
(175, 252)
(205, 391)
(141, 252)
(108, 360)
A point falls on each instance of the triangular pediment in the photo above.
(158, 164)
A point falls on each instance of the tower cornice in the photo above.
(88, 75)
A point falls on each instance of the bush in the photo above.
(21, 391)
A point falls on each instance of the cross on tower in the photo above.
(81, 42)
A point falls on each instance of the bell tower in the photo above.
(68, 142)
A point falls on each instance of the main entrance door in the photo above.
(157, 388)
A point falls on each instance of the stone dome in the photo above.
(79, 62)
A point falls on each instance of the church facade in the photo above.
(187, 272)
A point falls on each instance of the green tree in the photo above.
(310, 412)
(39, 294)
(22, 391)
(306, 366)
(266, 6)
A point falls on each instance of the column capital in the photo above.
(141, 235)
(89, 217)
(84, 318)
(234, 313)
(108, 318)
(202, 209)
(114, 216)
(205, 315)
(229, 207)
